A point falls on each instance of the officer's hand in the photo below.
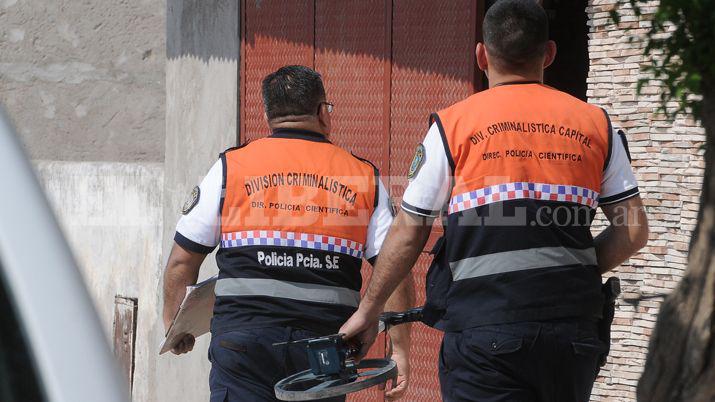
(403, 375)
(361, 330)
(185, 344)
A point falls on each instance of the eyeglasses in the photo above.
(329, 105)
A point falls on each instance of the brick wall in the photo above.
(669, 165)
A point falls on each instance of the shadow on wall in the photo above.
(195, 29)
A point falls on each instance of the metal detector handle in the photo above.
(390, 318)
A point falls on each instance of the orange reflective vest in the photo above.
(528, 162)
(294, 220)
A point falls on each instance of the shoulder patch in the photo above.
(417, 161)
(191, 201)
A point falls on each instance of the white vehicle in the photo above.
(52, 348)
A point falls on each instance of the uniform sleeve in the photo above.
(619, 182)
(380, 222)
(199, 227)
(429, 188)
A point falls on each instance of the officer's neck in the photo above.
(497, 78)
(307, 125)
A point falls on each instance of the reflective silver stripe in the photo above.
(519, 260)
(290, 290)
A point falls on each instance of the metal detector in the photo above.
(333, 371)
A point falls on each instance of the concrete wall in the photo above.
(84, 80)
(111, 215)
(201, 121)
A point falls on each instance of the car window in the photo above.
(18, 377)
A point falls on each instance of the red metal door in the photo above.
(433, 66)
(352, 52)
(386, 65)
(273, 35)
(352, 49)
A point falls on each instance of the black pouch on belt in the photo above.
(437, 284)
(611, 289)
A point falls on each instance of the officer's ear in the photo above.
(324, 120)
(550, 54)
(481, 53)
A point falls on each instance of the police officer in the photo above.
(520, 169)
(293, 216)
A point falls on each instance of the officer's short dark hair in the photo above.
(292, 91)
(516, 33)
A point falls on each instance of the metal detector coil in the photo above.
(306, 386)
(333, 372)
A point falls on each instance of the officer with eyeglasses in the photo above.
(294, 216)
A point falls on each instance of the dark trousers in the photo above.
(554, 361)
(245, 365)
